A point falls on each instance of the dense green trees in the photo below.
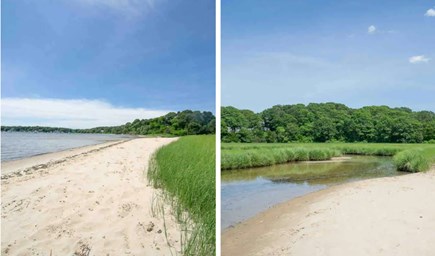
(186, 122)
(38, 129)
(323, 122)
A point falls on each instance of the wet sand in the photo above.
(41, 161)
(94, 199)
(383, 216)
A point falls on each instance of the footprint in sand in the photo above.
(83, 248)
(125, 209)
(16, 205)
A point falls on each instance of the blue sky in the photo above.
(353, 52)
(141, 57)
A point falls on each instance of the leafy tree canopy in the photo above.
(323, 122)
(185, 122)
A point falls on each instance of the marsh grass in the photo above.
(408, 157)
(235, 159)
(412, 160)
(185, 170)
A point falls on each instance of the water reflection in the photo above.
(247, 192)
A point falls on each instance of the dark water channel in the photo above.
(247, 192)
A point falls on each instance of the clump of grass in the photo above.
(411, 161)
(318, 155)
(301, 154)
(185, 170)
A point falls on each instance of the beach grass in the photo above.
(407, 157)
(185, 170)
(415, 160)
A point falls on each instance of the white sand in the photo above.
(386, 216)
(98, 200)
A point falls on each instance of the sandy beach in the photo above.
(89, 201)
(384, 216)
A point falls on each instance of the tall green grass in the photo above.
(185, 170)
(415, 160)
(235, 159)
(408, 157)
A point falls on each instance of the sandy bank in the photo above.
(385, 216)
(98, 200)
(337, 159)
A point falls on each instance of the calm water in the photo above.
(247, 192)
(17, 145)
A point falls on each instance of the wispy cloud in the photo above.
(430, 12)
(71, 113)
(129, 7)
(372, 29)
(418, 59)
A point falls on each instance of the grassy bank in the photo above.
(415, 160)
(407, 157)
(185, 170)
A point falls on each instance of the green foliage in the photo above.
(325, 122)
(38, 129)
(256, 157)
(411, 161)
(185, 170)
(186, 122)
(369, 149)
(407, 157)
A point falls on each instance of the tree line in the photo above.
(181, 123)
(327, 122)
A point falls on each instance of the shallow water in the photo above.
(18, 145)
(246, 192)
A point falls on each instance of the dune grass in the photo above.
(407, 157)
(415, 160)
(185, 170)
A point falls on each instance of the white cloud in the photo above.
(430, 13)
(74, 113)
(371, 30)
(418, 59)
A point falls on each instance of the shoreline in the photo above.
(334, 159)
(97, 201)
(368, 217)
(32, 162)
